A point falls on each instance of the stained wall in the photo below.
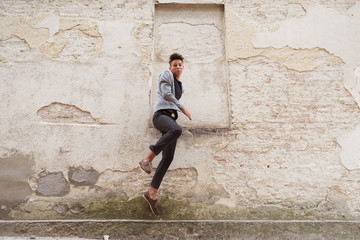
(272, 87)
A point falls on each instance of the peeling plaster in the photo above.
(77, 40)
(61, 39)
(23, 28)
(340, 38)
(19, 38)
(127, 43)
(13, 49)
(52, 23)
(266, 15)
(333, 37)
(240, 35)
(350, 153)
(340, 6)
(64, 113)
(299, 59)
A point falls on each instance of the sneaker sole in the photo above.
(143, 169)
(149, 205)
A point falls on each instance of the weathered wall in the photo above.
(199, 35)
(272, 86)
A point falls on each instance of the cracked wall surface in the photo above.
(334, 37)
(198, 36)
(303, 51)
(63, 113)
(71, 39)
(272, 86)
(279, 104)
(14, 47)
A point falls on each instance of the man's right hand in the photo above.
(186, 112)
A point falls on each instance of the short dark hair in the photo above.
(176, 56)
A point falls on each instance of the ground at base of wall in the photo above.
(170, 209)
(43, 238)
(181, 230)
(132, 219)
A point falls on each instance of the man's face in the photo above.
(176, 67)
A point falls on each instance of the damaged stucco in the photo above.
(199, 37)
(350, 154)
(63, 113)
(73, 40)
(335, 38)
(272, 88)
(287, 92)
(15, 172)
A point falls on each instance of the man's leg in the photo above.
(167, 158)
(170, 130)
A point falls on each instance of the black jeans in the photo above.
(171, 131)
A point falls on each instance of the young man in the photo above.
(165, 114)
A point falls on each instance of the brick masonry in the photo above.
(275, 107)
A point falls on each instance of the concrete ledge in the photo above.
(184, 229)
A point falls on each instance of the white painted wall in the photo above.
(270, 85)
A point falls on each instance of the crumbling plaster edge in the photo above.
(96, 121)
(348, 160)
(263, 50)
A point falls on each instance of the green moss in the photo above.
(137, 208)
(185, 230)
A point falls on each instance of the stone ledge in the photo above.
(184, 229)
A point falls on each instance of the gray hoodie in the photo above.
(166, 93)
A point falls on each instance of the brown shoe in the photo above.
(145, 166)
(152, 203)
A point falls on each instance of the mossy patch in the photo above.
(170, 209)
(192, 220)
